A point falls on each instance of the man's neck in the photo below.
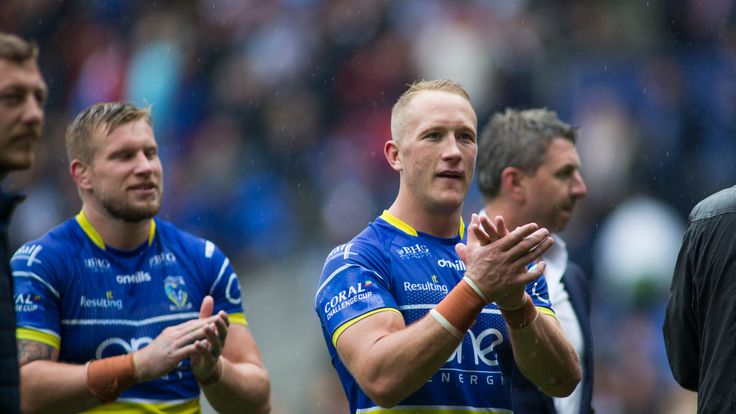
(436, 223)
(505, 209)
(116, 233)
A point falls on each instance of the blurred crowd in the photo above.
(272, 116)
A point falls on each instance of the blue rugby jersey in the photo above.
(392, 267)
(91, 301)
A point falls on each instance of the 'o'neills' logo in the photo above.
(457, 264)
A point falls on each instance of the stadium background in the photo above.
(272, 114)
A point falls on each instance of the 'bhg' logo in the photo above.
(416, 251)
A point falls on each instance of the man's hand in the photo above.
(174, 344)
(204, 361)
(497, 259)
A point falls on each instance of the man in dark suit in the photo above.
(528, 171)
(22, 94)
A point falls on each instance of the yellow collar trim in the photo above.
(90, 231)
(396, 222)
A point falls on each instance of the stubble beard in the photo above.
(122, 210)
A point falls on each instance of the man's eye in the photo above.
(10, 99)
(467, 137)
(565, 174)
(41, 97)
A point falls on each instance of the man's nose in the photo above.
(451, 149)
(143, 164)
(579, 189)
(32, 110)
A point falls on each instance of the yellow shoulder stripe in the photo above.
(353, 321)
(238, 318)
(30, 334)
(547, 311)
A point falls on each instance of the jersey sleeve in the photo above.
(225, 287)
(354, 285)
(539, 293)
(37, 294)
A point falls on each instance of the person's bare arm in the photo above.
(390, 361)
(541, 350)
(546, 357)
(50, 386)
(244, 385)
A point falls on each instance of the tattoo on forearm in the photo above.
(31, 350)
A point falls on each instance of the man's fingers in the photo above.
(529, 242)
(205, 349)
(194, 323)
(222, 314)
(208, 306)
(533, 273)
(462, 252)
(186, 351)
(215, 340)
(516, 236)
(221, 329)
(190, 338)
(501, 226)
(472, 235)
(531, 249)
(481, 235)
(490, 229)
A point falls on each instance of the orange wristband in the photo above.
(108, 377)
(458, 310)
(523, 316)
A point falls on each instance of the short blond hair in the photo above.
(100, 118)
(397, 112)
(16, 50)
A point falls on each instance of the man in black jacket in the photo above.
(528, 171)
(700, 317)
(22, 94)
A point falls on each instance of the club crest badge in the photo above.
(176, 291)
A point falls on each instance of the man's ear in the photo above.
(514, 184)
(393, 155)
(80, 173)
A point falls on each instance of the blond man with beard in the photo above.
(121, 310)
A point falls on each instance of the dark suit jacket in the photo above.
(9, 396)
(700, 319)
(526, 397)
